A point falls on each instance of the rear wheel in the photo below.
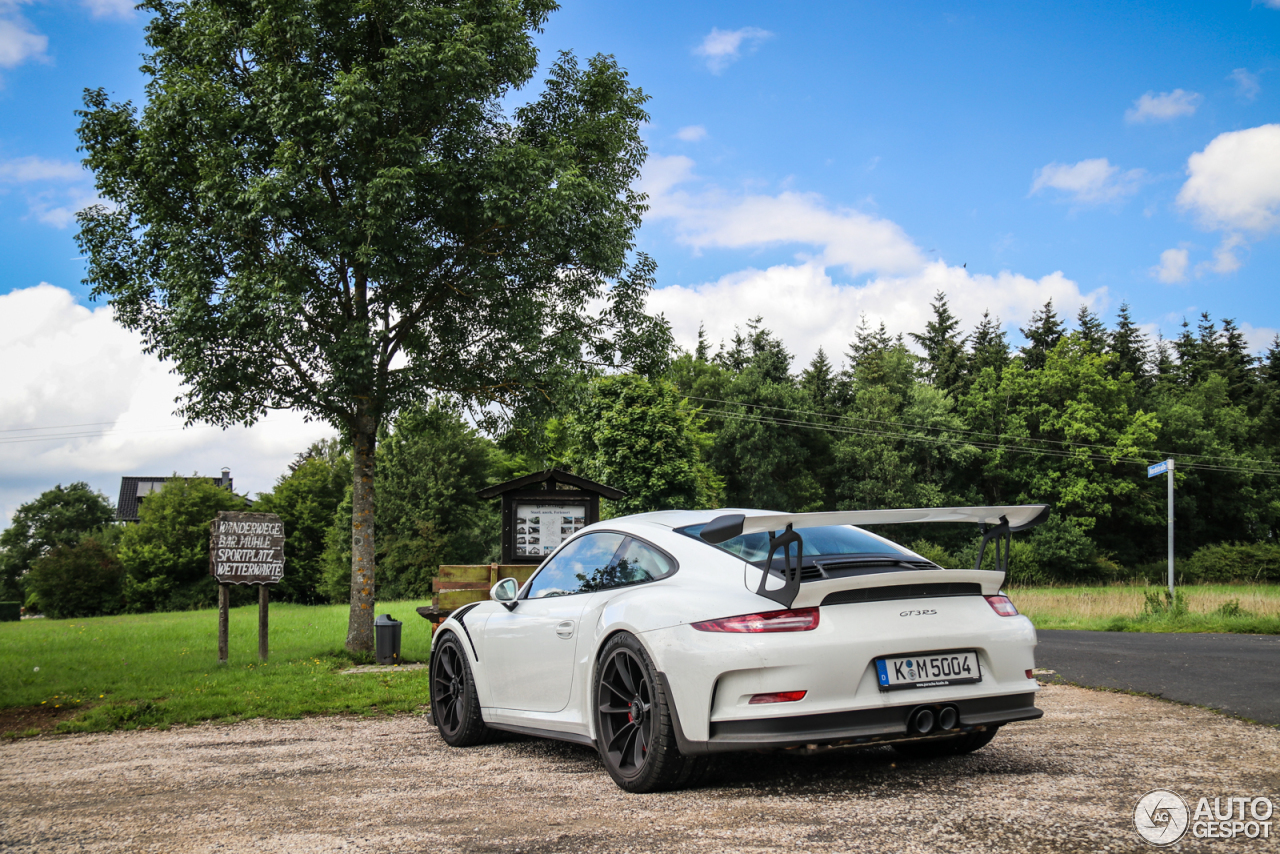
(634, 731)
(455, 706)
(953, 746)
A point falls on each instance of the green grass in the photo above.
(157, 670)
(1227, 608)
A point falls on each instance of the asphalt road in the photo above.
(1238, 674)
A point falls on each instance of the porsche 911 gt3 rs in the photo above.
(663, 638)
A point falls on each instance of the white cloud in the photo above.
(1247, 85)
(1257, 338)
(1163, 107)
(692, 133)
(18, 42)
(807, 309)
(59, 208)
(1172, 267)
(1270, 4)
(55, 205)
(1234, 184)
(77, 366)
(1089, 181)
(109, 8)
(1225, 256)
(707, 217)
(723, 47)
(21, 170)
(801, 302)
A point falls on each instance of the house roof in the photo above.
(132, 489)
(551, 477)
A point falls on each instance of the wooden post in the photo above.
(224, 602)
(262, 622)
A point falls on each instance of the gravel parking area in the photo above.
(1066, 783)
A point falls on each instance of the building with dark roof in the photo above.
(134, 490)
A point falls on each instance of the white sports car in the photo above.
(666, 637)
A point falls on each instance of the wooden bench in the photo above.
(456, 586)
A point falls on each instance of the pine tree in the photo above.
(1236, 363)
(989, 347)
(867, 347)
(1186, 347)
(1091, 330)
(703, 350)
(1129, 347)
(1166, 370)
(944, 353)
(1043, 334)
(819, 381)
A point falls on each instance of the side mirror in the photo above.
(505, 592)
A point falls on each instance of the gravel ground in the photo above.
(1066, 783)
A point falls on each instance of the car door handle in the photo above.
(565, 629)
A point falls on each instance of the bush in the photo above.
(166, 554)
(1226, 562)
(1161, 603)
(935, 553)
(81, 580)
(1057, 552)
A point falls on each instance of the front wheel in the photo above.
(455, 705)
(954, 746)
(634, 732)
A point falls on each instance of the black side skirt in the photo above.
(571, 737)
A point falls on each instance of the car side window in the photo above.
(640, 562)
(577, 566)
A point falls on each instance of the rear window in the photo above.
(826, 540)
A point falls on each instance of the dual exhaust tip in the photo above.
(927, 719)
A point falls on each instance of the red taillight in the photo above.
(798, 620)
(1002, 606)
(779, 697)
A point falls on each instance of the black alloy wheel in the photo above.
(634, 731)
(455, 706)
(626, 712)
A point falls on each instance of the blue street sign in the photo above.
(1158, 468)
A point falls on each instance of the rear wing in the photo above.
(995, 523)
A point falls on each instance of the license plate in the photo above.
(930, 670)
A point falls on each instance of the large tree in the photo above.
(643, 437)
(58, 517)
(327, 206)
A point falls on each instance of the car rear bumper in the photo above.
(849, 728)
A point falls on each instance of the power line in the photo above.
(1005, 442)
(98, 434)
(1012, 449)
(55, 427)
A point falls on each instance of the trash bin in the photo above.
(387, 639)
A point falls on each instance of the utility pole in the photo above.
(1166, 467)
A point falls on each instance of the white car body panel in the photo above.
(529, 679)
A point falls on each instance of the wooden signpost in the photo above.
(245, 548)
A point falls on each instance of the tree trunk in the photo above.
(360, 623)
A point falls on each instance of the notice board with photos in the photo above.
(542, 510)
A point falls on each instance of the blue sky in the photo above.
(808, 162)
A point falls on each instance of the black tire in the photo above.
(455, 706)
(953, 746)
(634, 733)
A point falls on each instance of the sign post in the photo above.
(1155, 471)
(245, 548)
